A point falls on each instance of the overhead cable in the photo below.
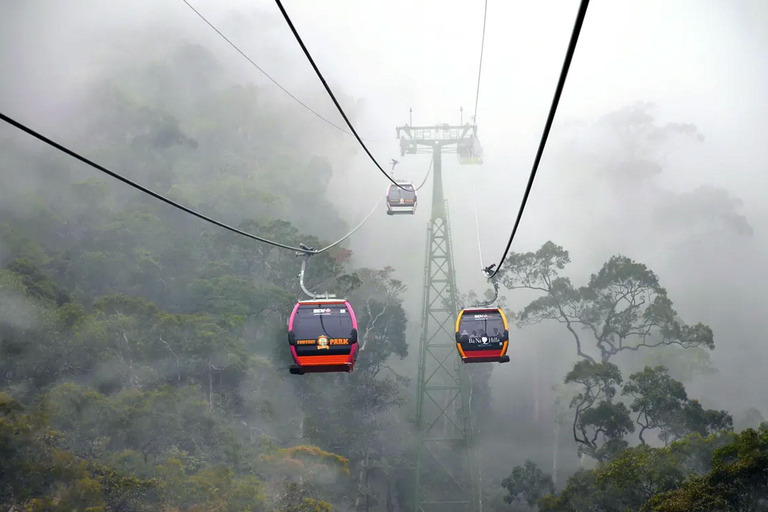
(429, 170)
(474, 123)
(166, 200)
(286, 91)
(337, 242)
(330, 92)
(480, 67)
(553, 109)
(477, 223)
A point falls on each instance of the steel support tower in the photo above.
(446, 478)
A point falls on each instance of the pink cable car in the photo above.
(322, 334)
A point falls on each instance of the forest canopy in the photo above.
(144, 359)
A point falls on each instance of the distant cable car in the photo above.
(401, 200)
(482, 335)
(322, 334)
(407, 146)
(469, 151)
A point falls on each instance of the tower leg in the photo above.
(445, 477)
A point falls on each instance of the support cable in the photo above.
(337, 242)
(487, 303)
(480, 68)
(477, 224)
(233, 45)
(301, 249)
(553, 109)
(429, 170)
(330, 92)
(305, 257)
(485, 270)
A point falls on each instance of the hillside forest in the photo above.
(143, 353)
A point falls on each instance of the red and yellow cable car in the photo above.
(482, 335)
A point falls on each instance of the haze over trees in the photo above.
(143, 354)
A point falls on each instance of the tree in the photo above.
(694, 418)
(298, 472)
(661, 402)
(622, 308)
(643, 477)
(737, 482)
(658, 400)
(597, 418)
(527, 483)
(370, 432)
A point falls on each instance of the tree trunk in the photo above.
(362, 486)
(367, 484)
(536, 384)
(554, 452)
(210, 387)
(390, 500)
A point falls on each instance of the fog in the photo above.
(659, 152)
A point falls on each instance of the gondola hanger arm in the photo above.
(304, 258)
(488, 273)
(489, 302)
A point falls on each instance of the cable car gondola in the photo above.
(482, 335)
(401, 200)
(469, 151)
(322, 334)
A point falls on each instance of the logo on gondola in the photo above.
(481, 316)
(322, 311)
(322, 342)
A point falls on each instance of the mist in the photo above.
(658, 153)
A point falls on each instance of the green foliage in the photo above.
(597, 419)
(738, 480)
(145, 351)
(16, 246)
(694, 418)
(601, 422)
(36, 284)
(658, 400)
(527, 483)
(307, 462)
(643, 477)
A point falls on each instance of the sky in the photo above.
(703, 62)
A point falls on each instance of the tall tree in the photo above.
(528, 484)
(658, 399)
(622, 308)
(599, 423)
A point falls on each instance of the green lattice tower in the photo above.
(446, 476)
